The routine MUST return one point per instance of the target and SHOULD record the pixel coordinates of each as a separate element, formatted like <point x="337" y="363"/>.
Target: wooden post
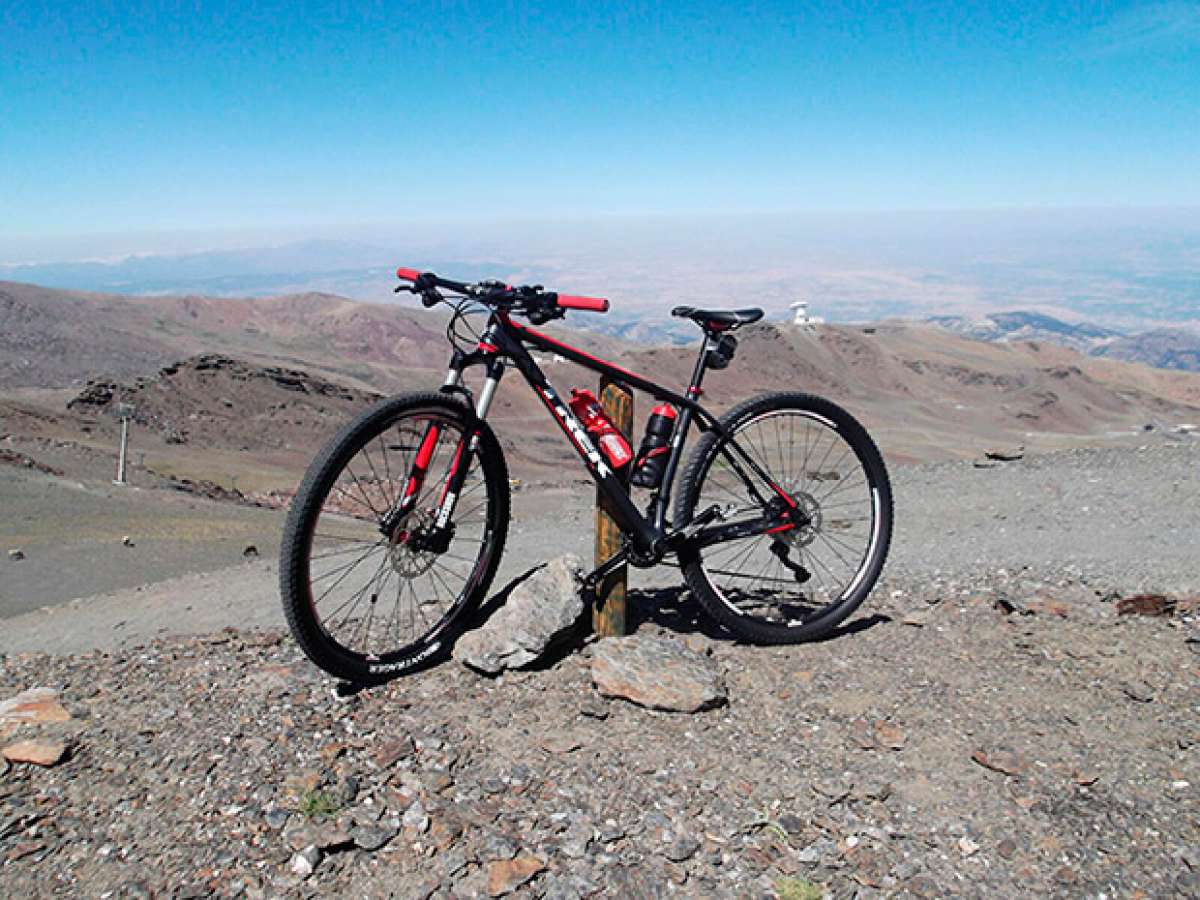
<point x="608" y="613"/>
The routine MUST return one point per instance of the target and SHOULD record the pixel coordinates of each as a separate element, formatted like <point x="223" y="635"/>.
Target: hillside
<point x="1162" y="348"/>
<point x="1019" y="325"/>
<point x="289" y="370"/>
<point x="53" y="338"/>
<point x="928" y="394"/>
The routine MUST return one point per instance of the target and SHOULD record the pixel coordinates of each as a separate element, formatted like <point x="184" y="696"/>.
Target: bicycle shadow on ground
<point x="675" y="609"/>
<point x="672" y="609"/>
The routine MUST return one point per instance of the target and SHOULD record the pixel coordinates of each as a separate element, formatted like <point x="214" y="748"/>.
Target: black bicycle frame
<point x="505" y="339"/>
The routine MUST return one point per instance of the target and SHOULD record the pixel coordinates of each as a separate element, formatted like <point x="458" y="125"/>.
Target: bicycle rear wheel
<point x="369" y="594"/>
<point x="796" y="585"/>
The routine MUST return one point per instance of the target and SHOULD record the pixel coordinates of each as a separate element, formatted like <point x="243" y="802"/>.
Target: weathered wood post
<point x="608" y="612"/>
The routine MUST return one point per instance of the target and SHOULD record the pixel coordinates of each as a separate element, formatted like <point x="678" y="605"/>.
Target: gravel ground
<point x="1126" y="519"/>
<point x="1116" y="519"/>
<point x="938" y="747"/>
<point x="989" y="725"/>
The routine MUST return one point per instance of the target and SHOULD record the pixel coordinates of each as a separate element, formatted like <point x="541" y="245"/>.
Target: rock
<point x="371" y="837"/>
<point x="682" y="848"/>
<point x="593" y="707"/>
<point x="1002" y="761"/>
<point x="889" y="736"/>
<point x="919" y="618"/>
<point x="127" y="541"/>
<point x="415" y="818"/>
<point x="306" y="861"/>
<point x="251" y="552"/>
<point x="560" y="743"/>
<point x="1001" y="455"/>
<point x="1138" y="691"/>
<point x="967" y="847"/>
<point x="16" y="554"/>
<point x="509" y="874"/>
<point x="539" y="609"/>
<point x="453" y="861"/>
<point x="391" y="752"/>
<point x="576" y="840"/>
<point x="656" y="672"/>
<point x="33" y="705"/>
<point x="323" y="837"/>
<point x="497" y="846"/>
<point x="1146" y="605"/>
<point x="1048" y="606"/>
<point x="39" y="753"/>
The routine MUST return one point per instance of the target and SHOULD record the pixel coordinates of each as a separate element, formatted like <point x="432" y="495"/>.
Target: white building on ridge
<point x="801" y="318"/>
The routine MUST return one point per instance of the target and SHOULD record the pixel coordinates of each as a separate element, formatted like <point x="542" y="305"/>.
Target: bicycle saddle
<point x="718" y="319"/>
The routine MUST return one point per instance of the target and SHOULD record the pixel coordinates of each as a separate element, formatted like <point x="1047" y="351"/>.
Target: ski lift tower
<point x="124" y="412"/>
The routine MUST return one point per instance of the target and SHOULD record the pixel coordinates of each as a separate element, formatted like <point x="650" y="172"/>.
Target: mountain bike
<point x="781" y="524"/>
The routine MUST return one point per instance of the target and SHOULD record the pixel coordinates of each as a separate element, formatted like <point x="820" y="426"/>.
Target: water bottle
<point x="652" y="455"/>
<point x="601" y="429"/>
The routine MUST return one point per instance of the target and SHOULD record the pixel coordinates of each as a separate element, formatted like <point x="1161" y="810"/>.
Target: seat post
<point x="701" y="365"/>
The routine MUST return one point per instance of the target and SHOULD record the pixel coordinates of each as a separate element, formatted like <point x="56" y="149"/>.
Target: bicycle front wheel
<point x="796" y="585"/>
<point x="373" y="585"/>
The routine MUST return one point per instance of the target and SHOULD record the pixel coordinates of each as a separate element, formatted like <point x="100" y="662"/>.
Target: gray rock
<point x="371" y="837"/>
<point x="682" y="848"/>
<point x="306" y="861"/>
<point x="576" y="840"/>
<point x="16" y="554"/>
<point x="497" y="846"/>
<point x="453" y="861"/>
<point x="538" y="610"/>
<point x="656" y="672"/>
<point x="415" y="818"/>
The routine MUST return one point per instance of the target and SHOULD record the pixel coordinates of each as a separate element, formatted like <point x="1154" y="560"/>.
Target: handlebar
<point x="530" y="299"/>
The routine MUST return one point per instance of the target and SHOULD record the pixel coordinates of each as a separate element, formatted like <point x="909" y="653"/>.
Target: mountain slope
<point x="1163" y="348"/>
<point x="53" y="338"/>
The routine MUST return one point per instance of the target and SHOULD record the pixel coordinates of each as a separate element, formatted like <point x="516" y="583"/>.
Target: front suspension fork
<point x="464" y="453"/>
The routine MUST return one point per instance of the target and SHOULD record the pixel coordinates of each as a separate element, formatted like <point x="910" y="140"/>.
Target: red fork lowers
<point x="421" y="463"/>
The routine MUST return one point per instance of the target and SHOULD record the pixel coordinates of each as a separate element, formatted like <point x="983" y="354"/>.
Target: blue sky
<point x="124" y="116"/>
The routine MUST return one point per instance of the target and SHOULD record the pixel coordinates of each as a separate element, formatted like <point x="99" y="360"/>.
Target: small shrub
<point x="316" y="804"/>
<point x="798" y="889"/>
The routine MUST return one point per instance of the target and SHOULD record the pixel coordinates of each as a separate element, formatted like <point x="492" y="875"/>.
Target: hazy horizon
<point x="1122" y="268"/>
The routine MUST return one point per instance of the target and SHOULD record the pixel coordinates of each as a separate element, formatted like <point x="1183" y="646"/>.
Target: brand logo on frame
<point x="582" y="439"/>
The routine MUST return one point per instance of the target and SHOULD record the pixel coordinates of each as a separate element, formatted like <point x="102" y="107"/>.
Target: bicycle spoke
<point x="816" y="462"/>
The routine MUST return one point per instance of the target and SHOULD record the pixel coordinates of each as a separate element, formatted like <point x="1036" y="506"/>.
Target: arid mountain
<point x="929" y="394"/>
<point x="53" y="338"/>
<point x="289" y="370"/>
<point x="1163" y="348"/>
<point x="219" y="402"/>
<point x="1020" y="325"/>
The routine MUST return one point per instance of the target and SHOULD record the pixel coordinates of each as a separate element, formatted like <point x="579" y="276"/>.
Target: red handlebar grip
<point x="594" y="304"/>
<point x="408" y="274"/>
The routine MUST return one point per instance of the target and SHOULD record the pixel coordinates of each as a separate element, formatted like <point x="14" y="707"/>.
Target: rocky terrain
<point x="942" y="745"/>
<point x="1015" y="717"/>
<point x="1164" y="348"/>
<point x="1012" y="712"/>
<point x="227" y="403"/>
